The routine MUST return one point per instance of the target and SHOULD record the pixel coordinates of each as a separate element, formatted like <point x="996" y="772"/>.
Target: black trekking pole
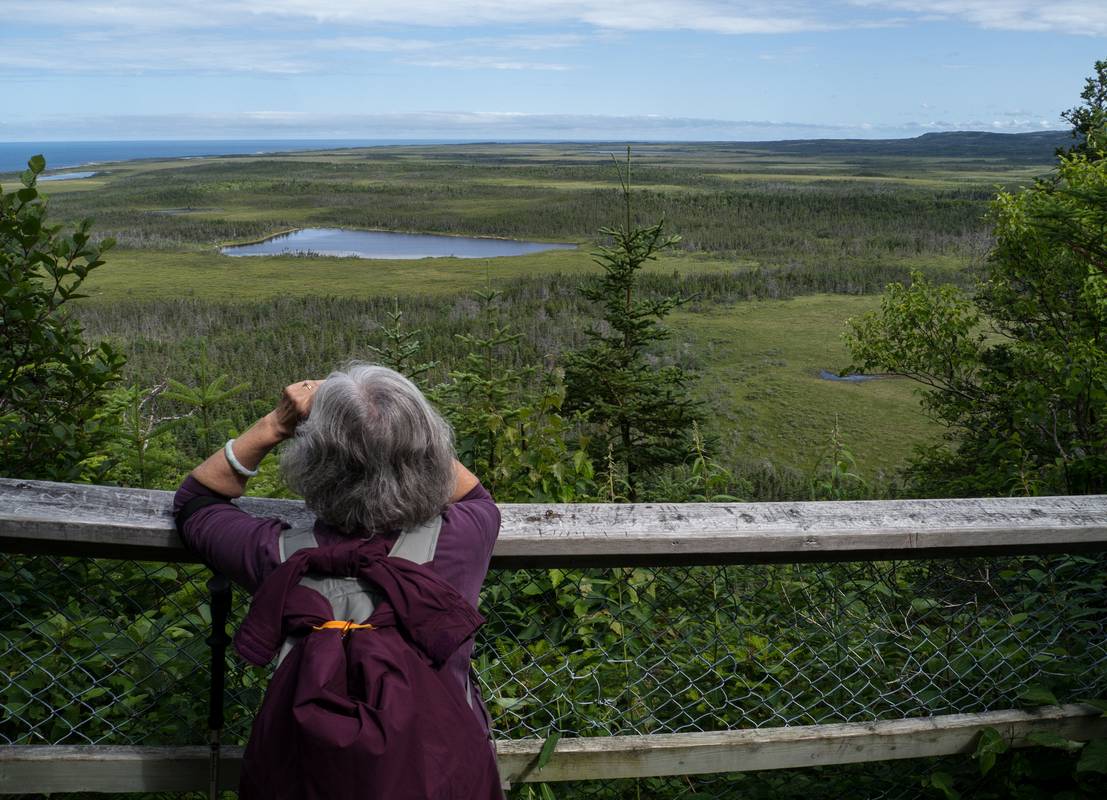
<point x="220" y="588"/>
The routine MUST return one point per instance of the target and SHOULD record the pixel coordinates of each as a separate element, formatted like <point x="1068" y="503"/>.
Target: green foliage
<point x="542" y="791"/>
<point x="1038" y="695"/>
<point x="640" y="412"/>
<point x="401" y="347"/>
<point x="141" y="450"/>
<point x="1071" y="209"/>
<point x="1054" y="768"/>
<point x="1093" y="757"/>
<point x="701" y="479"/>
<point x="710" y="481"/>
<point x="943" y="782"/>
<point x="1018" y="372"/>
<point x="1089" y="115"/>
<point x="134" y="629"/>
<point x="835" y="475"/>
<point x="508" y="421"/>
<point x="205" y="400"/>
<point x="989" y="746"/>
<point x="51" y="382"/>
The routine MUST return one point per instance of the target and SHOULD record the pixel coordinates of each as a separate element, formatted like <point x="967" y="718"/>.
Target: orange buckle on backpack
<point x="344" y="625"/>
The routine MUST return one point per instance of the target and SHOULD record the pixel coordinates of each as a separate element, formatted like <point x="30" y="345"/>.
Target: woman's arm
<point x="464" y="481"/>
<point x="252" y="446"/>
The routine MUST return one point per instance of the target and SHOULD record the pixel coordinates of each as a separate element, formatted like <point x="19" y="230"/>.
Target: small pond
<point x="384" y="244"/>
<point x="827" y="375"/>
<point x="66" y="176"/>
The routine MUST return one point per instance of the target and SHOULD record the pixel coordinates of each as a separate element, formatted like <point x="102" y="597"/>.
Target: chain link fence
<point x="95" y="651"/>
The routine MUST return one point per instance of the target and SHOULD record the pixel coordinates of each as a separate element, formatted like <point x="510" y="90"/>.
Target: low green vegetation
<point x="755" y="223"/>
<point x="768" y="401"/>
<point x="141" y="275"/>
<point x="732" y="206"/>
<point x="759" y="360"/>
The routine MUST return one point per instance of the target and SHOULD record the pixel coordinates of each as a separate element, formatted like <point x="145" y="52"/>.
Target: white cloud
<point x="191" y="53"/>
<point x="712" y="16"/>
<point x="1080" y="17"/>
<point x="134" y="16"/>
<point x="550" y="41"/>
<point x="485" y="62"/>
<point x="294" y="36"/>
<point x="371" y="44"/>
<point x="720" y="16"/>
<point x="198" y="55"/>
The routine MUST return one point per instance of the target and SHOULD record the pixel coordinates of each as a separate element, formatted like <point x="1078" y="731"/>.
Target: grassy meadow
<point x="764" y="359"/>
<point x="780" y="246"/>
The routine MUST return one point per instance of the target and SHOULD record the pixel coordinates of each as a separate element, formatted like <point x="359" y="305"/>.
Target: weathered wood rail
<point x="106" y="522"/>
<point x="62" y="519"/>
<point x="177" y="769"/>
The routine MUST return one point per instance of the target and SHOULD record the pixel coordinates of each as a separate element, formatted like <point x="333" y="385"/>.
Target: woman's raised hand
<point x="295" y="405"/>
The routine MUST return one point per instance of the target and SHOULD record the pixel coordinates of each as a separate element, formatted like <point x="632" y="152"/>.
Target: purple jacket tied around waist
<point x="369" y="713"/>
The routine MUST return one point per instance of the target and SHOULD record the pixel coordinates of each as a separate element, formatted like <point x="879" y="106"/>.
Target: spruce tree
<point x="641" y="413"/>
<point x="401" y="347"/>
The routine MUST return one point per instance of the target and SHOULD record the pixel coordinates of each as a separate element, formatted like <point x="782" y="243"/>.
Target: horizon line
<point x="531" y="140"/>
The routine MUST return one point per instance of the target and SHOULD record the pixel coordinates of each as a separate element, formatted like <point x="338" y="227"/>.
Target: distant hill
<point x="1031" y="147"/>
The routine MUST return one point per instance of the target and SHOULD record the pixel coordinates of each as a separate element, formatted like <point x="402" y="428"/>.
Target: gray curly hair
<point x="373" y="455"/>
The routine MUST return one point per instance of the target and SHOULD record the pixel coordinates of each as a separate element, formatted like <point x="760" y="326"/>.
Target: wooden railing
<point x="104" y="522"/>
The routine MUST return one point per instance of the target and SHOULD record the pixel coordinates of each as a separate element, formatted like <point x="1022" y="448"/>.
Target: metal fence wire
<point x="96" y="651"/>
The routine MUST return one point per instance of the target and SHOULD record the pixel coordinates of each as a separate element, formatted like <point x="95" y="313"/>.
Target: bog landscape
<point x="688" y="327"/>
<point x="780" y="245"/>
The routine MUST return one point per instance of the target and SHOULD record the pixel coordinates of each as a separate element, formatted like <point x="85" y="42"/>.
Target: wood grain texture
<point x="45" y="769"/>
<point x="788" y="748"/>
<point x="70" y="519"/>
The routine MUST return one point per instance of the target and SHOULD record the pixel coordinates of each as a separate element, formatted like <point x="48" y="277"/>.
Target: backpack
<point x="362" y="709"/>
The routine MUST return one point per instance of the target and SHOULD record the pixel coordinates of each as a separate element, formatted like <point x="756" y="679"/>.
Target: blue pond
<point x="827" y="375"/>
<point x="382" y="244"/>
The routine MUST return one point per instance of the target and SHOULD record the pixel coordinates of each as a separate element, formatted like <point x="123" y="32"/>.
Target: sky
<point x="540" y="69"/>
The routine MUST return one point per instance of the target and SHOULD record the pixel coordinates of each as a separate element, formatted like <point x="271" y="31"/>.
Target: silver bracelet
<point x="236" y="465"/>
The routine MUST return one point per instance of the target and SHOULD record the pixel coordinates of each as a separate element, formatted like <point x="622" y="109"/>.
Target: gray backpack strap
<point x="353" y="598"/>
<point x="418" y="544"/>
<point x="295" y="539"/>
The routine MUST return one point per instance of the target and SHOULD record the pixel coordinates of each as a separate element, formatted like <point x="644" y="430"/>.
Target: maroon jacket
<point x="244" y="547"/>
<point x="369" y="714"/>
<point x="389" y="697"/>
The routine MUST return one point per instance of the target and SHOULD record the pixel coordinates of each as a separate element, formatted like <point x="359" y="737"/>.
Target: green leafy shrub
<point x="52" y="383"/>
<point x="1018" y="371"/>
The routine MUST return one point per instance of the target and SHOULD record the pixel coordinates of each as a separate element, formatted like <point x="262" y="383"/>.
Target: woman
<point x="380" y="706"/>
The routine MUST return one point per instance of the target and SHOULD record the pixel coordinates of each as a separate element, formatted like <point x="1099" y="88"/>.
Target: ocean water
<point x="59" y="155"/>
